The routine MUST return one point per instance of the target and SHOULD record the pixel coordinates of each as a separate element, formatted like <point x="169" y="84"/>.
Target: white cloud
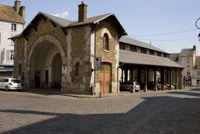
<point x="62" y="15"/>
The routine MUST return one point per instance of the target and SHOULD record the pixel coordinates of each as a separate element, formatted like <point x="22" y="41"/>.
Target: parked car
<point x="159" y="86"/>
<point x="10" y="84"/>
<point x="169" y="86"/>
<point x="128" y="85"/>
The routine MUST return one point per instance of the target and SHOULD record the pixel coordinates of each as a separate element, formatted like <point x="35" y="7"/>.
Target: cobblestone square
<point x="175" y="111"/>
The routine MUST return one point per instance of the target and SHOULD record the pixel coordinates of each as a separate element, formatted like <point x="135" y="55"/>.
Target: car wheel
<point x="6" y="88"/>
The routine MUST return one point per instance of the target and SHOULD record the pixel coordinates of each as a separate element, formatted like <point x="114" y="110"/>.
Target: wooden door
<point x="104" y="78"/>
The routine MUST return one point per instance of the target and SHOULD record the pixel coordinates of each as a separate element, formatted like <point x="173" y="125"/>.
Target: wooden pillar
<point x="181" y="79"/>
<point x="133" y="77"/>
<point x="155" y="79"/>
<point x="163" y="78"/>
<point x="170" y="80"/>
<point x="176" y="79"/>
<point x="145" y="79"/>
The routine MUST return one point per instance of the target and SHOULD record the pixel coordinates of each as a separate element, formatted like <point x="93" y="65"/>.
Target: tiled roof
<point x="127" y="57"/>
<point x="173" y="56"/>
<point x="187" y="52"/>
<point x="140" y="44"/>
<point x="8" y="13"/>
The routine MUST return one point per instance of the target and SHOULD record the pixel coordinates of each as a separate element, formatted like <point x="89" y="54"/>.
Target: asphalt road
<point x="149" y="112"/>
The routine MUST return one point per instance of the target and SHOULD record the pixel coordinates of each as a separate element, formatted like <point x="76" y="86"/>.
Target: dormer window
<point x="143" y="50"/>
<point x="151" y="52"/>
<point x="122" y="46"/>
<point x="105" y="42"/>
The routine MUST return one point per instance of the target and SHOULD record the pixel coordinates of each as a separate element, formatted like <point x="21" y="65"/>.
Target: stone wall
<point x="111" y="55"/>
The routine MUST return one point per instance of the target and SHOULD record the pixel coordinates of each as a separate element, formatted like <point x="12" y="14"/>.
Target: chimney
<point x="82" y="15"/>
<point x="22" y="11"/>
<point x="17" y="6"/>
<point x="194" y="47"/>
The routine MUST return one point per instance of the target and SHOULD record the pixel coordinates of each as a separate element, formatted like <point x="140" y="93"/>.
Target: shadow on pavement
<point x="185" y="93"/>
<point x="43" y="91"/>
<point x="118" y="123"/>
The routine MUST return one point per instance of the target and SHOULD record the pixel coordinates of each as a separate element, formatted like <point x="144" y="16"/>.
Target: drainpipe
<point x="95" y="34"/>
<point x="118" y="77"/>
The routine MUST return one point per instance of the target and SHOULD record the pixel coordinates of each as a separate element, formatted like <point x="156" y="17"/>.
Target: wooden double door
<point x="105" y="78"/>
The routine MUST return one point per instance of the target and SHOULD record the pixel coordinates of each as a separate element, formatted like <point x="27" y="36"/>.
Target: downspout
<point x="118" y="77"/>
<point x="94" y="59"/>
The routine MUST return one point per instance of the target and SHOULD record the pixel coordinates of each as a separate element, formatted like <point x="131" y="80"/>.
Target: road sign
<point x="189" y="77"/>
<point x="97" y="62"/>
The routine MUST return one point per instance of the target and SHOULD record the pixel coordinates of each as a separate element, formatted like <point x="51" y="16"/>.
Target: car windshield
<point x="136" y="83"/>
<point x="15" y="81"/>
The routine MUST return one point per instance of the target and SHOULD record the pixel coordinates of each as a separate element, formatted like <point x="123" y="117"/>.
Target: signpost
<point x="97" y="62"/>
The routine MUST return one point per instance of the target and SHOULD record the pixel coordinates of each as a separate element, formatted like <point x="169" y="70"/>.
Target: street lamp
<point x="197" y="28"/>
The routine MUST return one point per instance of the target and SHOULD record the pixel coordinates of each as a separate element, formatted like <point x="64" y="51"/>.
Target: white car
<point x="10" y="84"/>
<point x="128" y="85"/>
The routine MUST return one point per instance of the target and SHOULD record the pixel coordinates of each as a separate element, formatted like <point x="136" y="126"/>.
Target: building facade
<point x="190" y="60"/>
<point x="58" y="53"/>
<point x="79" y="57"/>
<point x="12" y="22"/>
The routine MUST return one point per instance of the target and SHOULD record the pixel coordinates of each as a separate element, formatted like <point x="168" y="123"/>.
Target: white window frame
<point x="9" y="55"/>
<point x="14" y="27"/>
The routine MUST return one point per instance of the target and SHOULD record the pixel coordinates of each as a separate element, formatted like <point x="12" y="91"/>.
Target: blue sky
<point x="138" y="17"/>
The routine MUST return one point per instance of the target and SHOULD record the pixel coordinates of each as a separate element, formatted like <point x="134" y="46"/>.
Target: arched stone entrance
<point x="45" y="62"/>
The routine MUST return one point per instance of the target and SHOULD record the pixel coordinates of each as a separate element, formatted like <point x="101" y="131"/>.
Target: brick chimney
<point x="82" y="15"/>
<point x="17" y="6"/>
<point x="194" y="47"/>
<point x="19" y="9"/>
<point x="22" y="11"/>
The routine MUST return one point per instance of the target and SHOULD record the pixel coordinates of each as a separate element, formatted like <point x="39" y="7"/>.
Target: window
<point x="188" y="63"/>
<point x="14" y="27"/>
<point x="133" y="48"/>
<point x="77" y="69"/>
<point x="143" y="50"/>
<point x="188" y="72"/>
<point x="188" y="58"/>
<point x="151" y="52"/>
<point x="198" y="73"/>
<point x="122" y="46"/>
<point x="158" y="53"/>
<point x="11" y="42"/>
<point x="165" y="55"/>
<point x="9" y="55"/>
<point x="105" y="42"/>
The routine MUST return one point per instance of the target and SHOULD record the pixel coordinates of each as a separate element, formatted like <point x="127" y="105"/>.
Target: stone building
<point x="57" y="53"/>
<point x="191" y="61"/>
<point x="12" y="22"/>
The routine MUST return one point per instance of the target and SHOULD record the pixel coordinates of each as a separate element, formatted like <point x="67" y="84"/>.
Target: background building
<point x="12" y="22"/>
<point x="189" y="59"/>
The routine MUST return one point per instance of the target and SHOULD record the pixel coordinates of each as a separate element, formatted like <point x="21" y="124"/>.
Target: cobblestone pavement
<point x="143" y="113"/>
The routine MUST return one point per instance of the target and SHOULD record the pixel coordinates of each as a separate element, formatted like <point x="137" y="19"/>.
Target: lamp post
<point x="197" y="27"/>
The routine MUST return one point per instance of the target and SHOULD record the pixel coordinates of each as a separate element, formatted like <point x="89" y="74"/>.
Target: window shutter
<point x="7" y="55"/>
